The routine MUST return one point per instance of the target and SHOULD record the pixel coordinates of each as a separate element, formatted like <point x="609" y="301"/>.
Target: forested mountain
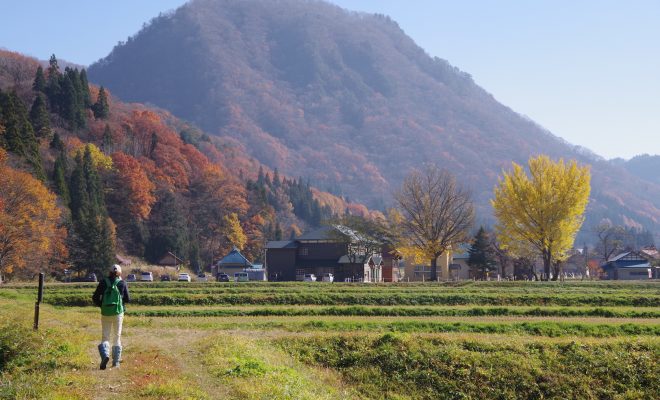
<point x="83" y="175"/>
<point x="644" y="166"/>
<point x="345" y="98"/>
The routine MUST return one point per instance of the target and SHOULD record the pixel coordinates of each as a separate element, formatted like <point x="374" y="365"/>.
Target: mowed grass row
<point x="394" y="311"/>
<point x="488" y="325"/>
<point x="182" y="298"/>
<point x="593" y="294"/>
<point x="469" y="287"/>
<point x="409" y="367"/>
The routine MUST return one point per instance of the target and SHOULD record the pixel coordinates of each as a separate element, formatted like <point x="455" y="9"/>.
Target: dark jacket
<point x="97" y="297"/>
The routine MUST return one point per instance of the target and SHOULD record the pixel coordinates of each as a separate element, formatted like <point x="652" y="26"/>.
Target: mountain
<point x="644" y="166"/>
<point x="164" y="184"/>
<point x="345" y="98"/>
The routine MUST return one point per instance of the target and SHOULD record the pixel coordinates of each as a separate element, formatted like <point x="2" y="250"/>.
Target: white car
<point x="328" y="278"/>
<point x="183" y="277"/>
<point x="146" y="277"/>
<point x="202" y="278"/>
<point x="309" y="278"/>
<point x="241" y="277"/>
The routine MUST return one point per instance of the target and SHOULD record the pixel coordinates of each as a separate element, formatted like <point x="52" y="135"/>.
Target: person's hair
<point x="114" y="274"/>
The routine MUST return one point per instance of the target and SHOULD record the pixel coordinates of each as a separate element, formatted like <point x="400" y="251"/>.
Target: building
<point x="422" y="272"/>
<point x="232" y="263"/>
<point x="322" y="251"/>
<point x="393" y="270"/>
<point x="170" y="260"/>
<point x="630" y="265"/>
<point x="459" y="269"/>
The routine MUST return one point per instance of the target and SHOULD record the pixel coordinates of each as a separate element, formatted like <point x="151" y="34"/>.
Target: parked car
<point x="147" y="277"/>
<point x="183" y="277"/>
<point x="202" y="278"/>
<point x="241" y="277"/>
<point x="309" y="278"/>
<point x="222" y="277"/>
<point x="87" y="278"/>
<point x="131" y="278"/>
<point x="328" y="278"/>
<point x="165" y="278"/>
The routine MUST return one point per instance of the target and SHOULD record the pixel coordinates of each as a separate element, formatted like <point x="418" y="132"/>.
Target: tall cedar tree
<point x="481" y="255"/>
<point x="18" y="136"/>
<point x="53" y="89"/>
<point x="101" y="108"/>
<point x="84" y="83"/>
<point x="107" y="141"/>
<point x="70" y="106"/>
<point x="93" y="244"/>
<point x="168" y="228"/>
<point x="59" y="178"/>
<point x="40" y="117"/>
<point x="39" y="84"/>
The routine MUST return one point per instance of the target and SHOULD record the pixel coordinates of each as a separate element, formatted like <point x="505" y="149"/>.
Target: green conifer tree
<point x="481" y="256"/>
<point x="57" y="143"/>
<point x="68" y="105"/>
<point x="53" y="84"/>
<point x="93" y="247"/>
<point x="107" y="141"/>
<point x="40" y="117"/>
<point x="101" y="108"/>
<point x="84" y="83"/>
<point x="18" y="136"/>
<point x="39" y="84"/>
<point x="59" y="178"/>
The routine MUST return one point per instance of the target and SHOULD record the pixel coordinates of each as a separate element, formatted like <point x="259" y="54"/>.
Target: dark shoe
<point x="104" y="350"/>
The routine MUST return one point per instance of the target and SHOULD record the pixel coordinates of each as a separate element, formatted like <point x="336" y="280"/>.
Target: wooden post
<point x="40" y="297"/>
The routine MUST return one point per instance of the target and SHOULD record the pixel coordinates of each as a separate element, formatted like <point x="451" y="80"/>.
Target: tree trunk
<point x="434" y="269"/>
<point x="555" y="271"/>
<point x="547" y="260"/>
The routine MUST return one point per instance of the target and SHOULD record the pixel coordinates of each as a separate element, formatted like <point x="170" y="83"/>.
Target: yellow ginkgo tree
<point x="542" y="211"/>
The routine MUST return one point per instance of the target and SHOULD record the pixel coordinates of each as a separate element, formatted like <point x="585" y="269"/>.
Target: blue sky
<point x="587" y="70"/>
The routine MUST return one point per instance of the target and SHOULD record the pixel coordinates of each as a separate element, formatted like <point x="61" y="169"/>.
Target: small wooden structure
<point x="170" y="260"/>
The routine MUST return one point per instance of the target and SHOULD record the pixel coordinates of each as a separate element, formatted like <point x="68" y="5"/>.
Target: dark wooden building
<point x="631" y="265"/>
<point x="319" y="252"/>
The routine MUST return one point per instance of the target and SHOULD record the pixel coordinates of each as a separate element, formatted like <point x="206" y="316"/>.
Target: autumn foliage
<point x="31" y="237"/>
<point x="135" y="180"/>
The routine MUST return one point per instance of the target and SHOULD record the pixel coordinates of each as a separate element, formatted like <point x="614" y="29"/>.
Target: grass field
<point x="469" y="340"/>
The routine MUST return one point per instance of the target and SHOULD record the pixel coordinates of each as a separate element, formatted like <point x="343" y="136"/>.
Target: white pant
<point x="111" y="326"/>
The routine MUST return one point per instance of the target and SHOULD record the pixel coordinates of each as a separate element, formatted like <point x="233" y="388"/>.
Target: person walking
<point x="111" y="295"/>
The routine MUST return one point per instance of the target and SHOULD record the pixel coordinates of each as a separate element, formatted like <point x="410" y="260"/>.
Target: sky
<point x="587" y="70"/>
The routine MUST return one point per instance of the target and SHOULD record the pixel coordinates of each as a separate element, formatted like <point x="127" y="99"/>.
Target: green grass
<point x="393" y="366"/>
<point x="504" y="340"/>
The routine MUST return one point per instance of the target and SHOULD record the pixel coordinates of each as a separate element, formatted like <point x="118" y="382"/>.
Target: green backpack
<point x="112" y="303"/>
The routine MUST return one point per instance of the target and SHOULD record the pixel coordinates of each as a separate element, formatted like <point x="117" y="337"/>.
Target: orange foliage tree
<point x="31" y="239"/>
<point x="133" y="189"/>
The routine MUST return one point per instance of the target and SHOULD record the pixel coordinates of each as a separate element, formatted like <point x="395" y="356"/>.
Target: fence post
<point x="40" y="297"/>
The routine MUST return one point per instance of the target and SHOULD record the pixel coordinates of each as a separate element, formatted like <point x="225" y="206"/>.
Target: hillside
<point x="130" y="177"/>
<point x="644" y="166"/>
<point x="345" y="98"/>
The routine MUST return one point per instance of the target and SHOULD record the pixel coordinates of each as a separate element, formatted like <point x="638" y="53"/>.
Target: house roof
<point x="281" y="244"/>
<point x="170" y="254"/>
<point x="619" y="256"/>
<point x="322" y="233"/>
<point x="641" y="256"/>
<point x="234" y="258"/>
<point x="642" y="265"/>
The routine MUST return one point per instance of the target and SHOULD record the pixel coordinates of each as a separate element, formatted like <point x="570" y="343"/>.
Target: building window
<point x="304" y="251"/>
